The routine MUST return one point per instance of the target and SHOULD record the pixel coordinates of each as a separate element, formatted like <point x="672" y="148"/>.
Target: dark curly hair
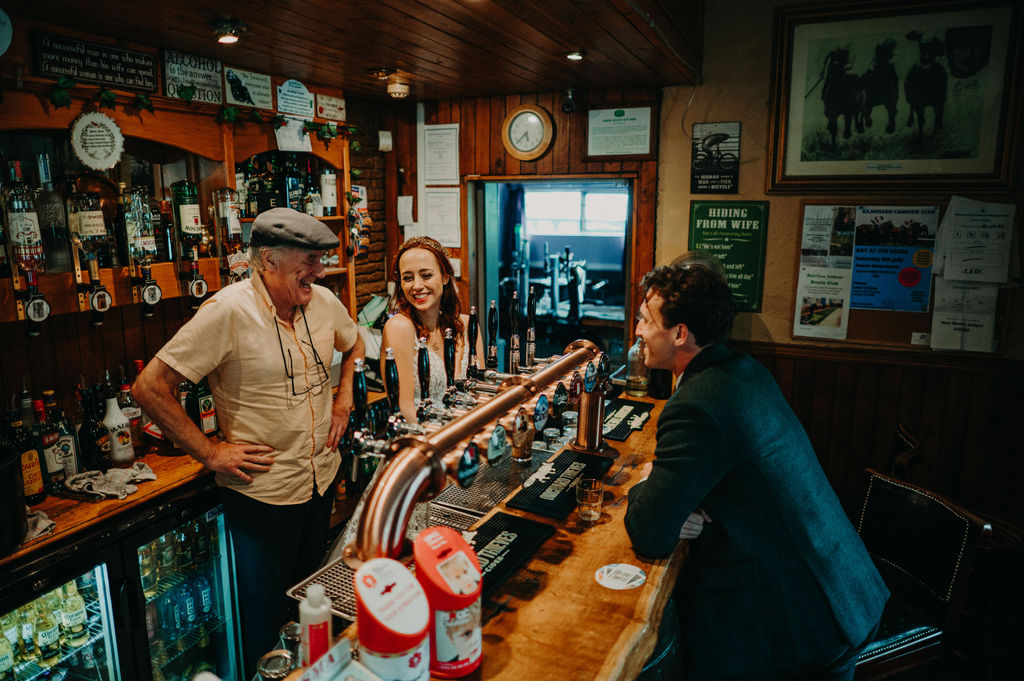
<point x="694" y="295"/>
<point x="450" y="312"/>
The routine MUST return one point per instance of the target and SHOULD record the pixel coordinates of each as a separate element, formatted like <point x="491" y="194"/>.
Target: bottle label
<point x="205" y="599"/>
<point x="54" y="457"/>
<point x="76" y="617"/>
<point x="207" y="415"/>
<point x="131" y="412"/>
<point x="329" y="190"/>
<point x="412" y="665"/>
<point x="188" y="214"/>
<point x="91" y="223"/>
<point x="6" y="661"/>
<point x="47" y="637"/>
<point x="30" y="472"/>
<point x="12" y="635"/>
<point x="24" y="229"/>
<point x="153" y="430"/>
<point x="69" y="453"/>
<point x="238" y="265"/>
<point x="121" y="450"/>
<point x="316" y="643"/>
<point x="147" y="244"/>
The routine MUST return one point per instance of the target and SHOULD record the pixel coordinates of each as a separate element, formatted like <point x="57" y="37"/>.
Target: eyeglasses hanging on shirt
<point x="323" y="376"/>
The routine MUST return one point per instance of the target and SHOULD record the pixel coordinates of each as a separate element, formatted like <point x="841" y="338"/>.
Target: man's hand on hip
<point x="234" y="459"/>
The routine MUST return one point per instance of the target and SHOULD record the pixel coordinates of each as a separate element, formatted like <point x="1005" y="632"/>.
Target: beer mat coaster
<point x="622" y="417"/>
<point x="338" y="581"/>
<point x="503" y="544"/>
<point x="551" y="490"/>
<point x="492" y="485"/>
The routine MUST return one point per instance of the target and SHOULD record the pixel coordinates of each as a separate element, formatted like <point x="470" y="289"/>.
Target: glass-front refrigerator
<point x="63" y="626"/>
<point x="186" y="580"/>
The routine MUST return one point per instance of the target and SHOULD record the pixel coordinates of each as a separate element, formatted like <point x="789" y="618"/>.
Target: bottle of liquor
<point x="53" y="220"/>
<point x="11" y="630"/>
<point x="93" y="435"/>
<point x="236" y="258"/>
<point x="122" y="453"/>
<point x="187" y="604"/>
<point x="44" y="437"/>
<point x="167" y="556"/>
<point x="74" y="613"/>
<point x="636" y="370"/>
<point x="270" y="195"/>
<point x="23" y="225"/>
<point x="167" y="250"/>
<point x="88" y="229"/>
<point x="186" y="214"/>
<point x="139" y="231"/>
<point x="293" y="189"/>
<point x="119" y="236"/>
<point x="46" y="632"/>
<point x="242" y="191"/>
<point x="28" y="414"/>
<point x="54" y="601"/>
<point x="32" y="466"/>
<point x="254" y="188"/>
<point x="67" y="437"/>
<point x="133" y="412"/>
<point x="6" y="660"/>
<point x="184" y="540"/>
<point x="207" y="409"/>
<point x="147" y="569"/>
<point x="204" y="596"/>
<point x="329" y="191"/>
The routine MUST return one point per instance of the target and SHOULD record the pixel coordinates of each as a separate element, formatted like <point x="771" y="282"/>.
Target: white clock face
<point x="526" y="131"/>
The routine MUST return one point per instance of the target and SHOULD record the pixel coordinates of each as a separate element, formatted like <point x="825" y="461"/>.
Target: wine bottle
<point x="53" y="220"/>
<point x="329" y="191"/>
<point x="189" y="225"/>
<point x="236" y="259"/>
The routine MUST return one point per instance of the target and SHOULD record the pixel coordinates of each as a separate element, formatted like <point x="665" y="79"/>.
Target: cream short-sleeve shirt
<point x="234" y="340"/>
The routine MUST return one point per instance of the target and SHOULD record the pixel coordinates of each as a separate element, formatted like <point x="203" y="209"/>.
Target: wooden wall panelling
<point x="545" y="162"/>
<point x="482" y="137"/>
<point x="932" y="402"/>
<point x="822" y="412"/>
<point x="496" y="150"/>
<point x="863" y="445"/>
<point x="978" y="442"/>
<point x="512" y="165"/>
<point x="841" y="432"/>
<point x="1003" y="457"/>
<point x="952" y="426"/>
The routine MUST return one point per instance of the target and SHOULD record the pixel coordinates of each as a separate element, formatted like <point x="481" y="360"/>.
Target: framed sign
<point x="625" y="132"/>
<point x="895" y="97"/>
<point x="735" y="232"/>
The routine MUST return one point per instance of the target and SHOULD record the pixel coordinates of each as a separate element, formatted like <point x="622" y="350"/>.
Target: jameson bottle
<point x="31" y="464"/>
<point x="53" y="220"/>
<point x="185" y="199"/>
<point x="45" y="437"/>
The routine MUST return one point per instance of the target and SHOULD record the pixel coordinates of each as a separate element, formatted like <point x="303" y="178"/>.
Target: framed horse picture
<point x="895" y="97"/>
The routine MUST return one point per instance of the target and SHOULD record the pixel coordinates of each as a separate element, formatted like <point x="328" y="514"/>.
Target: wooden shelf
<point x="334" y="271"/>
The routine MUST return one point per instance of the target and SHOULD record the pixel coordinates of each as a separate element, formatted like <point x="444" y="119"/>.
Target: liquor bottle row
<point x="180" y="554"/>
<point x="42" y="226"/>
<point x="53" y="631"/>
<point x="276" y="179"/>
<point x="107" y="429"/>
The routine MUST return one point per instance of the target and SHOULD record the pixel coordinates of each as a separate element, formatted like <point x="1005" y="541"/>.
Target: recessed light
<point x="228" y="30"/>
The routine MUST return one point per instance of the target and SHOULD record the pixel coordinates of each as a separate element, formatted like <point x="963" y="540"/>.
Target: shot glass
<point x="589" y="495"/>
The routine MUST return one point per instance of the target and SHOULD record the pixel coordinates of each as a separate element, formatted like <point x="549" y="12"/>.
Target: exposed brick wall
<point x="367" y="164"/>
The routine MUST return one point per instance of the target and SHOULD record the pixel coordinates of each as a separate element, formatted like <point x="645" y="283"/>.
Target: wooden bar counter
<point x="551" y="620"/>
<point x="79" y="519"/>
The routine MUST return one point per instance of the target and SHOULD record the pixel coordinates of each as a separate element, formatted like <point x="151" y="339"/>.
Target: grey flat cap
<point x="289" y="227"/>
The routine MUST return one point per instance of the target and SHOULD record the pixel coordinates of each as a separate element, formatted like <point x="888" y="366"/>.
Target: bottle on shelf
<point x="45" y="438"/>
<point x="133" y="412"/>
<point x="32" y="467"/>
<point x="67" y="437"/>
<point x="293" y="189"/>
<point x="166" y="247"/>
<point x="184" y="540"/>
<point x="75" y="615"/>
<point x="46" y="633"/>
<point x="27" y="619"/>
<point x="93" y="436"/>
<point x="11" y="630"/>
<point x="53" y="221"/>
<point x="329" y="191"/>
<point x="139" y="230"/>
<point x="236" y="257"/>
<point x="28" y="415"/>
<point x="187" y="605"/>
<point x="88" y="228"/>
<point x="242" y="191"/>
<point x="22" y="221"/>
<point x="167" y="556"/>
<point x="6" y="660"/>
<point x="204" y="596"/>
<point x="147" y="569"/>
<point x="187" y="220"/>
<point x="636" y="370"/>
<point x="122" y="452"/>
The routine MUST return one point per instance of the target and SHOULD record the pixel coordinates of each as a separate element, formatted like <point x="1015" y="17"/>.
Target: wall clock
<point x="527" y="132"/>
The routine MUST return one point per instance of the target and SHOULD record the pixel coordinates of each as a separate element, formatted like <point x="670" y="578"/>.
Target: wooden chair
<point x="905" y="453"/>
<point x="923" y="545"/>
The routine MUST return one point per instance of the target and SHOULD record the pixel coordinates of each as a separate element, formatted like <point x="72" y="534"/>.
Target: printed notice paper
<point x="964" y="316"/>
<point x="823" y="287"/>
<point x="892" y="257"/>
<point x="974" y="243"/>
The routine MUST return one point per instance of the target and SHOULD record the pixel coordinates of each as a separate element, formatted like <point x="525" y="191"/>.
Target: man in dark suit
<point x="779" y="584"/>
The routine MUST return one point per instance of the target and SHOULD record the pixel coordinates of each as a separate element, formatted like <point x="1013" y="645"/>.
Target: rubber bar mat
<point x="492" y="484"/>
<point x="551" y="490"/>
<point x="622" y="417"/>
<point x="503" y="544"/>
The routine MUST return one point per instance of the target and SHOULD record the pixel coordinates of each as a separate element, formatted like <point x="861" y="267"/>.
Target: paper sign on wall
<point x="183" y="70"/>
<point x="292" y="135"/>
<point x="331" y="108"/>
<point x="294" y="98"/>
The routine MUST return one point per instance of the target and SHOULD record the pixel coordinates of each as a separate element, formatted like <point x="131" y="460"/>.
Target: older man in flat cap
<point x="266" y="344"/>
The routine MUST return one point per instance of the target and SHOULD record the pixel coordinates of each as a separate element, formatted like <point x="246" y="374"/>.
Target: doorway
<point x="568" y="240"/>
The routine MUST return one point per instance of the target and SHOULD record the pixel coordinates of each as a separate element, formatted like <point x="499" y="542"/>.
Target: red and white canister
<point x="449" y="572"/>
<point x="393" y="617"/>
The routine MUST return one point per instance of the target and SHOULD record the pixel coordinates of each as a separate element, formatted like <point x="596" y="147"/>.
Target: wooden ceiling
<point x="440" y="48"/>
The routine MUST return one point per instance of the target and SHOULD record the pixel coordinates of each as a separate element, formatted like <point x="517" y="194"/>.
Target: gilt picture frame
<point x="891" y="97"/>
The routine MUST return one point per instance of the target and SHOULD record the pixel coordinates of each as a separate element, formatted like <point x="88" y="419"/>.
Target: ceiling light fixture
<point x="228" y="30"/>
<point x="576" y="55"/>
<point x="398" y="90"/>
<point x="382" y="73"/>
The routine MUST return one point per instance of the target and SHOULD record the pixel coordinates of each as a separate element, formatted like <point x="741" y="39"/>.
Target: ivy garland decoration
<point x="227" y="114"/>
<point x="60" y="95"/>
<point x="187" y="93"/>
<point x="142" y="102"/>
<point x="107" y="99"/>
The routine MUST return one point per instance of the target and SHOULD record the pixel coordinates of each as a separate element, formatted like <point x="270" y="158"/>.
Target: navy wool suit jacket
<point x="780" y="578"/>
